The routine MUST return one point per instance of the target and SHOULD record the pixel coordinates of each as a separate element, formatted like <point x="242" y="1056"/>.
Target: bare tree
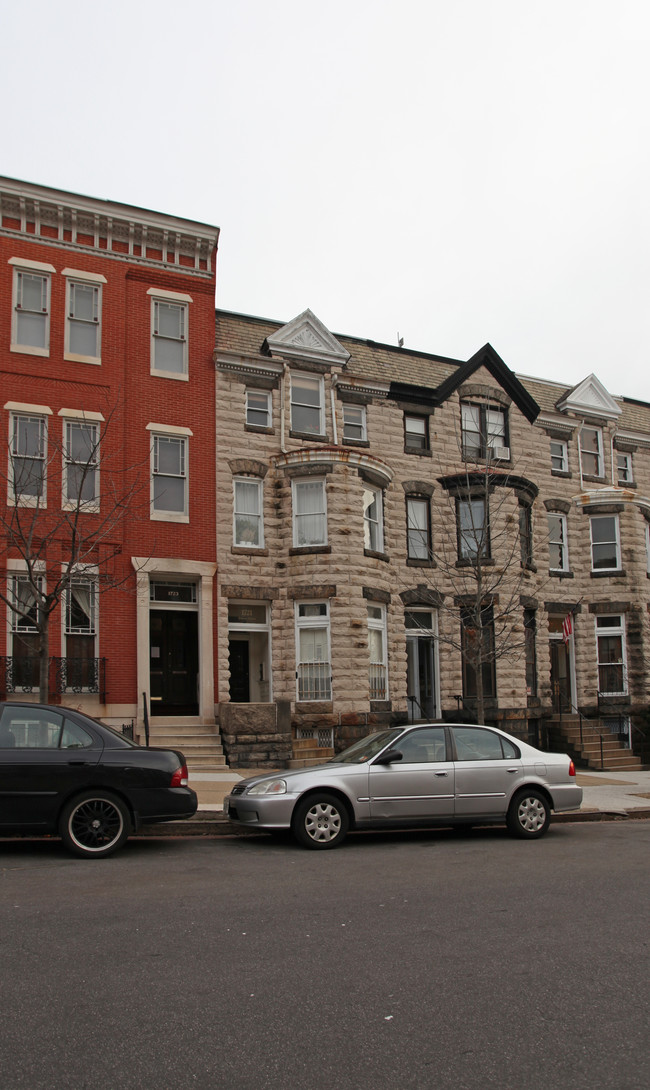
<point x="65" y="548"/>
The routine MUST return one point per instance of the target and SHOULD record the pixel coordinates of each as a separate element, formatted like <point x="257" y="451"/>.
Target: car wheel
<point x="320" y="821"/>
<point x="95" y="824"/>
<point x="529" y="814"/>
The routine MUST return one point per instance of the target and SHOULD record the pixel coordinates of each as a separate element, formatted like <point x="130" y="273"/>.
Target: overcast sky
<point x="455" y="172"/>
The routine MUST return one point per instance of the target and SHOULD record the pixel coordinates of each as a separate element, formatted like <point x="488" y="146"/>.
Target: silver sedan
<point x="451" y="774"/>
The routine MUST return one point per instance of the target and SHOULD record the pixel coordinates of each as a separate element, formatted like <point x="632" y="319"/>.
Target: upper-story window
<point x="484" y="432"/>
<point x="416" y="432"/>
<point x="624" y="467"/>
<point x="354" y="422"/>
<point x="418" y="528"/>
<point x="378" y="652"/>
<point x="605" y="543"/>
<point x="591" y="452"/>
<point x="28" y="459"/>
<point x="307" y="400"/>
<point x="83" y="341"/>
<point x="473" y="529"/>
<point x="258" y="408"/>
<point x="559" y="456"/>
<point x="373" y="519"/>
<point x="169" y="475"/>
<point x="526" y="534"/>
<point x="248" y="528"/>
<point x="558" y="547"/>
<point x="81" y="464"/>
<point x="309" y="513"/>
<point x="169" y="333"/>
<point x="31" y="312"/>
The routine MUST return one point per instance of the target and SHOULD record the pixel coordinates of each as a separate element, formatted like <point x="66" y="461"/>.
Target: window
<point x="169" y="476"/>
<point x="526" y="534"/>
<point x="591" y="452"/>
<point x="418" y="528"/>
<point x="605" y="546"/>
<point x="416" y="432"/>
<point x="81" y="464"/>
<point x="248" y="530"/>
<point x="28" y="454"/>
<point x="377" y="644"/>
<point x="476" y="744"/>
<point x="473" y="529"/>
<point x="373" y="519"/>
<point x="624" y="466"/>
<point x="307" y="404"/>
<point x="530" y="632"/>
<point x="31" y="316"/>
<point x="80" y="636"/>
<point x="169" y="338"/>
<point x="25" y="639"/>
<point x="477" y="644"/>
<point x="559" y="456"/>
<point x="612" y="672"/>
<point x="558" y="542"/>
<point x="312" y="644"/>
<point x="309" y="513"/>
<point x="30" y="728"/>
<point x="83" y="328"/>
<point x="423" y="746"/>
<point x="483" y="432"/>
<point x="258" y="408"/>
<point x="354" y="422"/>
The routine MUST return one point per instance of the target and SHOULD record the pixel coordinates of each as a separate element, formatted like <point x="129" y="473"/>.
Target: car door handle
<point x="77" y="762"/>
<point x="441" y="773"/>
<point x="512" y="770"/>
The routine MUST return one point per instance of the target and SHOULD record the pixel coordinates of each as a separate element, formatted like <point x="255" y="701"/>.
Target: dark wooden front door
<point x="174" y="660"/>
<point x="239" y="672"/>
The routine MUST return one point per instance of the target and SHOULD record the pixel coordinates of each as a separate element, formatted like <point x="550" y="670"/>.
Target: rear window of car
<point x="474" y="744"/>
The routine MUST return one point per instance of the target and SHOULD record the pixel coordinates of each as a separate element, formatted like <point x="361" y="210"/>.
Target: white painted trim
<point x="81" y="274"/>
<point x="169" y="429"/>
<point x="176" y="296"/>
<point x="80" y="414"/>
<point x="23" y="263"/>
<point x="24" y="407"/>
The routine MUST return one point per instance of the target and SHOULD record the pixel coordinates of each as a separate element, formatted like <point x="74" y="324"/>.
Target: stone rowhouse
<point x="359" y="487"/>
<point x="106" y="342"/>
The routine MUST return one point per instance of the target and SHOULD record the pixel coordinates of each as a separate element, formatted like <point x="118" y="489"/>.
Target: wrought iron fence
<point x="20" y="674"/>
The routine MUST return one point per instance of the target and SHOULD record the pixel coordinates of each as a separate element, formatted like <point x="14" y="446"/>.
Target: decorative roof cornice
<point x="118" y="231"/>
<point x="491" y="360"/>
<point x="598" y="497"/>
<point x="361" y="386"/>
<point x="245" y="365"/>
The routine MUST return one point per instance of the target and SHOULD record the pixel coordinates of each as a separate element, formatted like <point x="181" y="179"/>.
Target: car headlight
<point x="269" y="787"/>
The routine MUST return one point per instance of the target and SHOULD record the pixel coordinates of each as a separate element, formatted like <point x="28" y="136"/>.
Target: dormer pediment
<point x="306" y="338"/>
<point x="590" y="398"/>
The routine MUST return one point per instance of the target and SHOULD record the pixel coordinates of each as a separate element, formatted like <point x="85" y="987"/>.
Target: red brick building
<point x="107" y="394"/>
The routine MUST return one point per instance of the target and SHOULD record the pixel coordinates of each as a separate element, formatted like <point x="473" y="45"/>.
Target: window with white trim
<point x="307" y="400"/>
<point x="248" y="528"/>
<point x="612" y="666"/>
<point x="378" y="652"/>
<point x="605" y="543"/>
<point x="483" y="432"/>
<point x="309" y="512"/>
<point x="258" y="408"/>
<point x="80" y="634"/>
<point x="169" y="337"/>
<point x="590" y="442"/>
<point x="473" y="529"/>
<point x="558" y="547"/>
<point x="416" y="432"/>
<point x="169" y="477"/>
<point x="313" y="667"/>
<point x="624" y="467"/>
<point x="80" y="464"/>
<point x="373" y="519"/>
<point x="25" y="640"/>
<point x="83" y="321"/>
<point x="559" y="456"/>
<point x="28" y="453"/>
<point x="31" y="313"/>
<point x="418" y="528"/>
<point x="354" y="422"/>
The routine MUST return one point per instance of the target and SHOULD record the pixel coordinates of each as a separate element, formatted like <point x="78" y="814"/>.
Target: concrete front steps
<point x="611" y="756"/>
<point x="200" y="742"/>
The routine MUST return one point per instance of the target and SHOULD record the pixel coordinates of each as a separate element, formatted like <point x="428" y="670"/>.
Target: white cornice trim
<point x="326" y="454"/>
<point x="597" y="497"/>
<point x="224" y="361"/>
<point x="177" y="296"/>
<point x="169" y="429"/>
<point x="25" y="407"/>
<point x="81" y="274"/>
<point x="23" y="263"/>
<point x="80" y="414"/>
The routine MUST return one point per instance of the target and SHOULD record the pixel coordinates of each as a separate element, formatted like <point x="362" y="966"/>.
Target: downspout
<point x="333" y="405"/>
<point x="614" y="478"/>
<point x="285" y="369"/>
<point x="582" y="483"/>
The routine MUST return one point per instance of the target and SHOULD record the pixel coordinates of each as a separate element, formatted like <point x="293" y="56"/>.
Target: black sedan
<point x="63" y="773"/>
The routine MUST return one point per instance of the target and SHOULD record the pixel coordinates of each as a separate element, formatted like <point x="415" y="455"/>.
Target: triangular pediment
<point x="306" y="338"/>
<point x="590" y="398"/>
<point x="489" y="359"/>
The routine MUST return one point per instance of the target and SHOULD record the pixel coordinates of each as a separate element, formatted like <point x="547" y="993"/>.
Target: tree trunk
<point x="44" y="661"/>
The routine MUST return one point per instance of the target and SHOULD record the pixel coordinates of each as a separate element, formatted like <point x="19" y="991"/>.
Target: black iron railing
<point x="20" y="675"/>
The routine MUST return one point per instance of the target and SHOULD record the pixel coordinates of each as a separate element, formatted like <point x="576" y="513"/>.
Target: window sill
<point x="627" y="484"/>
<point x="29" y="350"/>
<point x="176" y="376"/>
<point x="417" y="562"/>
<point x="591" y="477"/>
<point x="607" y="573"/>
<point x="417" y="451"/>
<point x="301" y="550"/>
<point x="322" y="707"/>
<point x="249" y="550"/>
<point x="261" y="429"/>
<point x="376" y="555"/>
<point x="557" y="574"/>
<point x="168" y="516"/>
<point x="381" y="705"/>
<point x="312" y="438"/>
<point x="486" y="561"/>
<point x="355" y="443"/>
<point x="561" y="473"/>
<point x="96" y="361"/>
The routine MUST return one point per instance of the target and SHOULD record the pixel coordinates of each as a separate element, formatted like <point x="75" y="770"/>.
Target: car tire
<point x="320" y="821"/>
<point x="95" y="824"/>
<point x="529" y="814"/>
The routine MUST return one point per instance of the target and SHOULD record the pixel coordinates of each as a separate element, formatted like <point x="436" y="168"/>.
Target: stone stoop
<point x="200" y="742"/>
<point x="306" y="753"/>
<point x="615" y="757"/>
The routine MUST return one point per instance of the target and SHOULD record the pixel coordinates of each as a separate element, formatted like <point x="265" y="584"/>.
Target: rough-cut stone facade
<point x="343" y="578"/>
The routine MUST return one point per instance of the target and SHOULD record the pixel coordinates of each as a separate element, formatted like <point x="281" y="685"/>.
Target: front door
<point x="239" y="671"/>
<point x="174" y="662"/>
<point x="421" y="677"/>
<point x="560" y="676"/>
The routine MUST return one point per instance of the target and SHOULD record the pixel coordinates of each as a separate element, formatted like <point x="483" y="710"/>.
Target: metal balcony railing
<point x="20" y="675"/>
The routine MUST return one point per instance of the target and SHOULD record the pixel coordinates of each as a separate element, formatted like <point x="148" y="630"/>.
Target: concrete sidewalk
<point x="607" y="796"/>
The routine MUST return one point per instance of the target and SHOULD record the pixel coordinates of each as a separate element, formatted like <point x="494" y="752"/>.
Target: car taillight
<point x="572" y="768"/>
<point x="179" y="779"/>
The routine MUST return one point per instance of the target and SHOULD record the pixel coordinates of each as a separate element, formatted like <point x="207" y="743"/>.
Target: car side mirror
<point x="389" y="756"/>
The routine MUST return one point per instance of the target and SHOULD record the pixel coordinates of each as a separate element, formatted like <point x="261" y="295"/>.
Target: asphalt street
<point x="426" y="959"/>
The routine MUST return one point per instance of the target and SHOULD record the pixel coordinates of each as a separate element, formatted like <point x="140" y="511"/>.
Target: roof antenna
<point x="400" y="340"/>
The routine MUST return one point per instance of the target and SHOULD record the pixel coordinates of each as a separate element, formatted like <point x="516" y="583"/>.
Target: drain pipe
<point x="285" y="370"/>
<point x="333" y="406"/>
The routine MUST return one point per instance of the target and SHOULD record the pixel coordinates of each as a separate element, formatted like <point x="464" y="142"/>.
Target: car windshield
<point x="366" y="748"/>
